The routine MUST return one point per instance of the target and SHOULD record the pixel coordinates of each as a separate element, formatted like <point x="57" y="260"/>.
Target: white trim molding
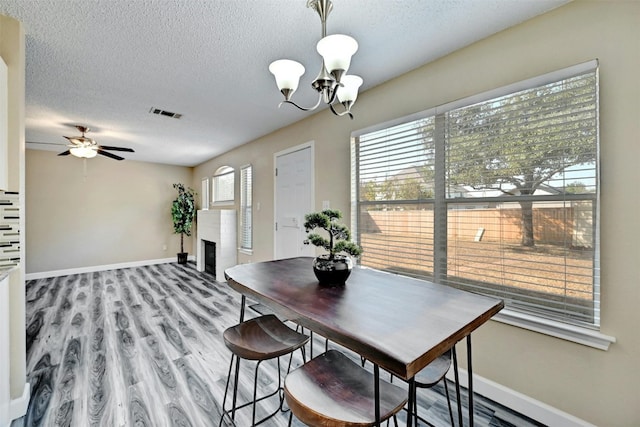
<point x="528" y="406"/>
<point x="91" y="269"/>
<point x="584" y="336"/>
<point x="18" y="406"/>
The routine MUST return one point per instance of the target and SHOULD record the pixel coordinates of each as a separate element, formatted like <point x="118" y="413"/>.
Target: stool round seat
<point x="260" y="339"/>
<point x="431" y="375"/>
<point x="434" y="372"/>
<point x="263" y="338"/>
<point x="332" y="390"/>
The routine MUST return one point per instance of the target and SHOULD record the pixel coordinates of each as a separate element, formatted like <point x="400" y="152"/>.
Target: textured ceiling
<point x="106" y="63"/>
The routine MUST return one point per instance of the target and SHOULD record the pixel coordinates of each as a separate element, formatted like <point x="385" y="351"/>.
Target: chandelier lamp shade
<point x="332" y="83"/>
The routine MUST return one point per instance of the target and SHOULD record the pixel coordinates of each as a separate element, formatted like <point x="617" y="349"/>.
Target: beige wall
<point x="119" y="212"/>
<point x="597" y="386"/>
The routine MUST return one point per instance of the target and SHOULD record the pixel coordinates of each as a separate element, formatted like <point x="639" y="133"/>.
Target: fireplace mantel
<point x="218" y="226"/>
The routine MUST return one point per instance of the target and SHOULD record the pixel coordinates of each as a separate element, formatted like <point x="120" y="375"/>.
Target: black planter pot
<point x="182" y="257"/>
<point x="332" y="272"/>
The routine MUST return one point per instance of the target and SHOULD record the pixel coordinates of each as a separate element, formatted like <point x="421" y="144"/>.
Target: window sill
<point x="223" y="203"/>
<point x="245" y="251"/>
<point x="572" y="333"/>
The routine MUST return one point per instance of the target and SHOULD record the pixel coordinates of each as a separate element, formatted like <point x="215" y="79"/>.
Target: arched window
<point x="223" y="184"/>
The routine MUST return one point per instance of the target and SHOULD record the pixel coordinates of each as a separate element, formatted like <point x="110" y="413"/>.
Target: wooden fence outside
<point x="571" y="226"/>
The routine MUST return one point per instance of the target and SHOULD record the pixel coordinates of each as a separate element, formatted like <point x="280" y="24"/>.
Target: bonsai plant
<point x="183" y="210"/>
<point x="334" y="267"/>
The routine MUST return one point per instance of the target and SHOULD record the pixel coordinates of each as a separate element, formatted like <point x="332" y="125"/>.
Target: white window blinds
<point x="246" y="215"/>
<point x="496" y="195"/>
<point x="205" y="193"/>
<point x="396" y="188"/>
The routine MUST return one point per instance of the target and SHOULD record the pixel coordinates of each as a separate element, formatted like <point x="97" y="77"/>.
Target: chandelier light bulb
<point x="348" y="92"/>
<point x="337" y="50"/>
<point x="287" y="74"/>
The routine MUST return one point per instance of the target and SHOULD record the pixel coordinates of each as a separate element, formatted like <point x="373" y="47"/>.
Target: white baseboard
<point x="532" y="408"/>
<point x="18" y="407"/>
<point x="79" y="270"/>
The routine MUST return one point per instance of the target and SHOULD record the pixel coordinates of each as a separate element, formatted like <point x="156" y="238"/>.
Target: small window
<point x="205" y="193"/>
<point x="246" y="214"/>
<point x="223" y="183"/>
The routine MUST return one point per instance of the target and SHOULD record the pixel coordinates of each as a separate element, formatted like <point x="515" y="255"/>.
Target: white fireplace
<point x="217" y="226"/>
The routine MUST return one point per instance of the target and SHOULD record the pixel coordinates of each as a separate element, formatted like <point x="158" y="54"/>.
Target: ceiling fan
<point x="85" y="147"/>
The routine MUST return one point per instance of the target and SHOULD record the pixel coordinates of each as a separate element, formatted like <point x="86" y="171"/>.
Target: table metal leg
<point x="376" y="388"/>
<point x="457" y="378"/>
<point x="470" y="374"/>
<point x="411" y="403"/>
<point x="311" y="343"/>
<point x="242" y="304"/>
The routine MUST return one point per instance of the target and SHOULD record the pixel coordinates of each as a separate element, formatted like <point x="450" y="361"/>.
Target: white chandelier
<point x="332" y="82"/>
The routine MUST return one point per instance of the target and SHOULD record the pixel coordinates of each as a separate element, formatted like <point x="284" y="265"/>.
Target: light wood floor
<point x="143" y="347"/>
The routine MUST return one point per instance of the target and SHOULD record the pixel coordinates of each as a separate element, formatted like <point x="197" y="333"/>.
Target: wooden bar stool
<point x="332" y="390"/>
<point x="429" y="376"/>
<point x="259" y="339"/>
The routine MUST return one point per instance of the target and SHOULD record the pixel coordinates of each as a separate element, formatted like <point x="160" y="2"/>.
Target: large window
<point x="497" y="194"/>
<point x="246" y="214"/>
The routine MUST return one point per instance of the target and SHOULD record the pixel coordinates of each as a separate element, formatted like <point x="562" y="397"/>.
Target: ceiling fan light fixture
<point x="87" y="148"/>
<point x="83" y="152"/>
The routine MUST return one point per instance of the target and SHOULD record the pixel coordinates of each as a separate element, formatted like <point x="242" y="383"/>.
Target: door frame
<point x="308" y="144"/>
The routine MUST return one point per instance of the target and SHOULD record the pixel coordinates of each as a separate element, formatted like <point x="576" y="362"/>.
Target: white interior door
<point x="294" y="195"/>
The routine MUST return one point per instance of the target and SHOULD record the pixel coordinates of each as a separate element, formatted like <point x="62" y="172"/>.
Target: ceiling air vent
<point x="165" y="113"/>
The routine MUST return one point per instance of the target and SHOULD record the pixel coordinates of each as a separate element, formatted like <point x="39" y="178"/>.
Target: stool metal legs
<point x="413" y="390"/>
<point x="279" y="390"/>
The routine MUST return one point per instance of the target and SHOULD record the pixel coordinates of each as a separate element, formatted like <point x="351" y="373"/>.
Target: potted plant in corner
<point x="183" y="210"/>
<point x="334" y="267"/>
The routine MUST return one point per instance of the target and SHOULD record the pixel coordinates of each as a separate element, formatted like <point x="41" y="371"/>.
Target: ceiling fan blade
<point x="65" y="153"/>
<point x="109" y="147"/>
<point x="107" y="154"/>
<point x="72" y="139"/>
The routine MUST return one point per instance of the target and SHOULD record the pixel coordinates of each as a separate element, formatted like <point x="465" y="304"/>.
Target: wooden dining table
<point x="399" y="323"/>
